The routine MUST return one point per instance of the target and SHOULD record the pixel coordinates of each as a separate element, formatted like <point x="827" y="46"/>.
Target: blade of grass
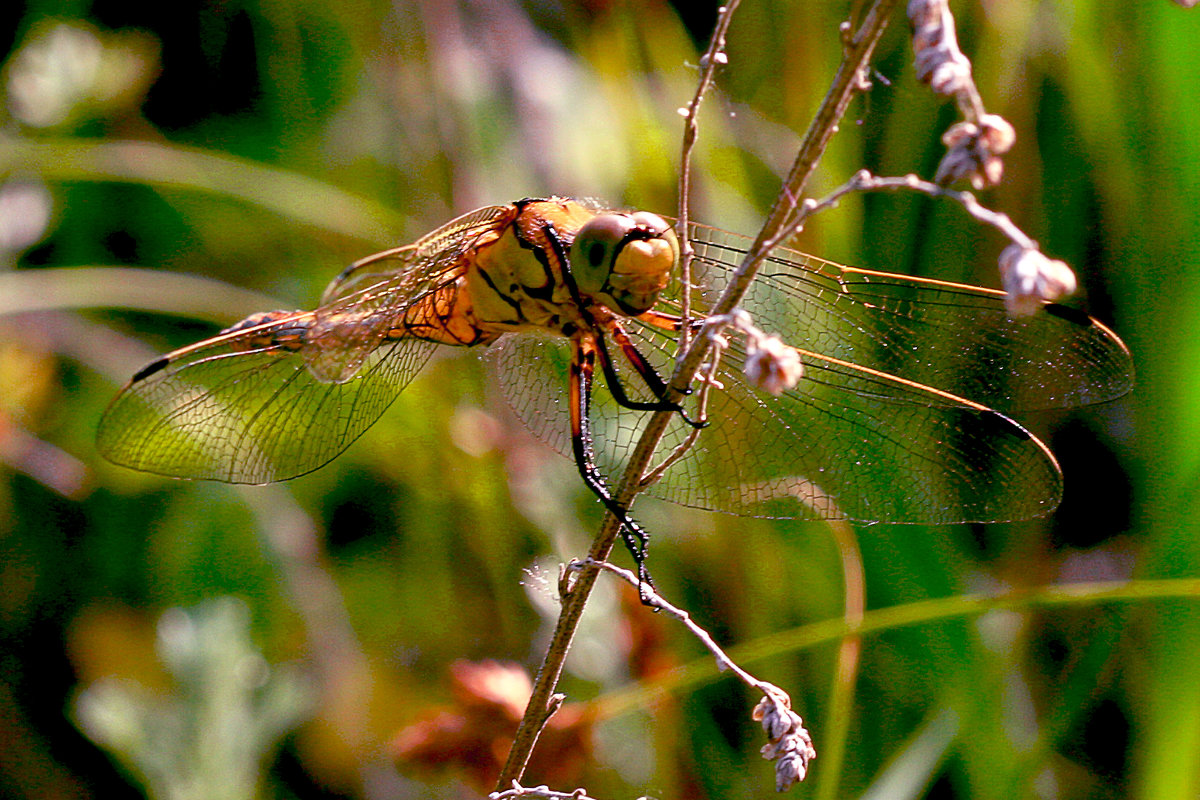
<point x="164" y="166"/>
<point x="62" y="288"/>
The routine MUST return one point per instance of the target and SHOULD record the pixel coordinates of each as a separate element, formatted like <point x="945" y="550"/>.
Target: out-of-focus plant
<point x="68" y="74"/>
<point x="208" y="738"/>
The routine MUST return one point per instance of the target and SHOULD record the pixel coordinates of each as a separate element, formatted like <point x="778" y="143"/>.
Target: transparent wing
<point x="892" y="421"/>
<point x="846" y="443"/>
<point x="405" y="272"/>
<point x="280" y="399"/>
<point x="364" y="305"/>
<point x="218" y="411"/>
<point x="950" y="336"/>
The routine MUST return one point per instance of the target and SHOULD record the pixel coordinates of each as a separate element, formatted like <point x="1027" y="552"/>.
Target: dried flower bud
<point x="774" y="717"/>
<point x="1030" y="278"/>
<point x="790" y="745"/>
<point x="790" y="769"/>
<point x="950" y="75"/>
<point x="974" y="151"/>
<point x="937" y="59"/>
<point x="772" y="365"/>
<point x="996" y="134"/>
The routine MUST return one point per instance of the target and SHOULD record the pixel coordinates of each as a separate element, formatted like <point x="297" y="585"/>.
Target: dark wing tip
<point x="150" y="369"/>
<point x="1115" y="353"/>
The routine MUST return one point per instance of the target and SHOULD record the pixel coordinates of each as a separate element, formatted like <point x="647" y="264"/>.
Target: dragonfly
<point x="903" y="413"/>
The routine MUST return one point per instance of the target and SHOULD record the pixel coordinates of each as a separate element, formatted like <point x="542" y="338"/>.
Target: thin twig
<point x="519" y="792"/>
<point x="846" y="83"/>
<point x="865" y="181"/>
<point x="654" y="599"/>
<point x="713" y="57"/>
<point x="790" y="745"/>
<point x="707" y="380"/>
<point x="1030" y="278"/>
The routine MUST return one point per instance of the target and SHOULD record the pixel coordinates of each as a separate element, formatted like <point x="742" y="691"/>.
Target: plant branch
<point x="847" y="81"/>
<point x="713" y="57"/>
<point x="937" y="610"/>
<point x="975" y="144"/>
<point x="1030" y="278"/>
<point x="790" y="745"/>
<point x="519" y="792"/>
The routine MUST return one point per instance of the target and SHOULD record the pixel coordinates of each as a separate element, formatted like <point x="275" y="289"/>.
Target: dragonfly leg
<point x="667" y="322"/>
<point x="633" y="534"/>
<point x="643" y="368"/>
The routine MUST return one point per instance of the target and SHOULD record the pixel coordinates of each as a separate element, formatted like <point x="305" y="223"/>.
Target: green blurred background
<point x="242" y="152"/>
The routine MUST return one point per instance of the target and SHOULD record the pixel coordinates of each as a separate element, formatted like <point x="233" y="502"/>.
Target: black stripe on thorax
<point x="546" y="291"/>
<point x="505" y="296"/>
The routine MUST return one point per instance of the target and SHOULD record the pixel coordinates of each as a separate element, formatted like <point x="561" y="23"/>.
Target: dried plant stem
<point x="864" y="181"/>
<point x="519" y="792"/>
<point x="713" y="57"/>
<point x="791" y="746"/>
<point x="655" y="600"/>
<point x="847" y="81"/>
<point x="707" y="378"/>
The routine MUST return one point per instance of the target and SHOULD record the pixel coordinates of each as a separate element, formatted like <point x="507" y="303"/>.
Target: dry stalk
<point x="713" y="58"/>
<point x="1030" y="278"/>
<point x="848" y="80"/>
<point x="789" y="744"/>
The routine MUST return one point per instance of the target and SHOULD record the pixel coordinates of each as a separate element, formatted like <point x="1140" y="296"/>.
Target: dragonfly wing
<point x="220" y="411"/>
<point x="851" y="443"/>
<point x="412" y="269"/>
<point x="531" y="369"/>
<point x="846" y="443"/>
<point x="273" y="401"/>
<point x="893" y="420"/>
<point x="950" y="336"/>
<point x="365" y="305"/>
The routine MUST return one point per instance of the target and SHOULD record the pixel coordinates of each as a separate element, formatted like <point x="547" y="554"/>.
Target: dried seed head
<point x="996" y="134"/>
<point x="791" y="769"/>
<point x="774" y="716"/>
<point x="974" y="151"/>
<point x="937" y="59"/>
<point x="790" y="745"/>
<point x="1030" y="278"/>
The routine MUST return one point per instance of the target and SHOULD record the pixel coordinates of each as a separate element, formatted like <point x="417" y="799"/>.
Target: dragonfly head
<point x="624" y="260"/>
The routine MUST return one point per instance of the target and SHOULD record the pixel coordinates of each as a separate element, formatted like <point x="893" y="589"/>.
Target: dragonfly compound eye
<point x="624" y="260"/>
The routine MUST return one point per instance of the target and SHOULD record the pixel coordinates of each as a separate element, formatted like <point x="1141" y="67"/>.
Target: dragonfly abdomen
<point x="285" y="329"/>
